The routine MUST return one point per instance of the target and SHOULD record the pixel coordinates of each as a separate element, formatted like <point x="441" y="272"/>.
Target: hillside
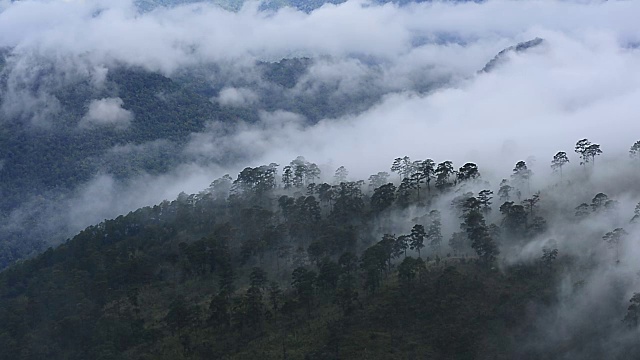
<point x="468" y="190"/>
<point x="44" y="162"/>
<point x="255" y="266"/>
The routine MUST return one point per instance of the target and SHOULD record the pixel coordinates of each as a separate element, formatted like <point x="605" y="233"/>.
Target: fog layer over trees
<point x="468" y="186"/>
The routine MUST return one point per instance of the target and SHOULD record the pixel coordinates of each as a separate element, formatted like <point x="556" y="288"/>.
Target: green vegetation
<point x="44" y="160"/>
<point x="287" y="268"/>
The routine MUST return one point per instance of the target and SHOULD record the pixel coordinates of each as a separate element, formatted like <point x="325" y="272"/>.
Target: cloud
<point x="360" y="48"/>
<point x="407" y="79"/>
<point x="420" y="62"/>
<point x="167" y="38"/>
<point x="237" y="97"/>
<point x="106" y="112"/>
<point x="536" y="103"/>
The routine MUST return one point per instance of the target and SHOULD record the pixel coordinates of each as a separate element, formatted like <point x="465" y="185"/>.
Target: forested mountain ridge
<point x="304" y="5"/>
<point x="64" y="130"/>
<point x="43" y="159"/>
<point x="278" y="263"/>
<point x="51" y="161"/>
<point x="127" y="122"/>
<point x="440" y="211"/>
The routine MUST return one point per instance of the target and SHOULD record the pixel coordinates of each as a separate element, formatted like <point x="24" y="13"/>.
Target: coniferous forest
<point x="287" y="262"/>
<point x="319" y="180"/>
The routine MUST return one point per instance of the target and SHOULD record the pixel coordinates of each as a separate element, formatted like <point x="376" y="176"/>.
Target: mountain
<point x="52" y="148"/>
<point x="502" y="56"/>
<point x="205" y="277"/>
<point x="304" y="270"/>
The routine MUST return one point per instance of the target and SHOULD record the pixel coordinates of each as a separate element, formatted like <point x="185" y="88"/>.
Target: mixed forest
<point x="421" y="260"/>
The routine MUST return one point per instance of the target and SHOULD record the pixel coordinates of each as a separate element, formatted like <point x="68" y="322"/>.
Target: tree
<point x="346" y="293"/>
<point x="481" y="241"/>
<point x="326" y="193"/>
<point x="434" y="232"/>
<point x="587" y="151"/>
<point x="581" y="149"/>
<point x="219" y="309"/>
<point x="255" y="181"/>
<point x="254" y="306"/>
<point x="396" y="167"/>
<point x="348" y="263"/>
<point x="613" y="238"/>
<point x="592" y="151"/>
<point x="341" y="175"/>
<point x="402" y="244"/>
<point x="636" y="213"/>
<point x="378" y="180"/>
<point x="443" y="172"/>
<point x="468" y="171"/>
<point x="417" y="238"/>
<point x="470" y="204"/>
<point x="522" y="175"/>
<point x="537" y="227"/>
<point x="220" y="188"/>
<point x="582" y="210"/>
<point x="548" y="256"/>
<point x="505" y="190"/>
<point x="348" y="202"/>
<point x="287" y="177"/>
<point x="634" y="151"/>
<point x="275" y="295"/>
<point x="402" y="166"/>
<point x="373" y="262"/>
<point x="408" y="269"/>
<point x="383" y="197"/>
<point x="408" y="167"/>
<point x="417" y="179"/>
<point x="427" y="168"/>
<point x="458" y="203"/>
<point x="303" y="282"/>
<point x="328" y="274"/>
<point x="599" y="201"/>
<point x="559" y="160"/>
<point x="403" y="194"/>
<point x="532" y="203"/>
<point x="300" y="167"/>
<point x="484" y="197"/>
<point x="258" y="278"/>
<point x="632" y="319"/>
<point x="457" y="242"/>
<point x="180" y="314"/>
<point x="388" y="246"/>
<point x="515" y="218"/>
<point x="313" y="172"/>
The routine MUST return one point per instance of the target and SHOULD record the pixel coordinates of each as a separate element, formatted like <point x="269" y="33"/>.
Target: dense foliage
<point x="45" y="160"/>
<point x="278" y="264"/>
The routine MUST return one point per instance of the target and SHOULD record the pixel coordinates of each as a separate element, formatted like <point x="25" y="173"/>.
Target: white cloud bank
<point x="584" y="81"/>
<point x="107" y="112"/>
<point x="237" y="97"/>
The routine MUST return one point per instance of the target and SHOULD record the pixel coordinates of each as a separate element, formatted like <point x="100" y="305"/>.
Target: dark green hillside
<point x="46" y="160"/>
<point x="282" y="267"/>
<point x="50" y="162"/>
<point x="64" y="156"/>
<point x="139" y="286"/>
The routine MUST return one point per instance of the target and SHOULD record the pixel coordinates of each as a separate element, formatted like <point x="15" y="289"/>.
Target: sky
<point x="423" y="59"/>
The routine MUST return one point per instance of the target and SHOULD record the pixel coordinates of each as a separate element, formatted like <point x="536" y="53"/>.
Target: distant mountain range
<point x="501" y="57"/>
<point x="41" y="167"/>
<point x="304" y="5"/>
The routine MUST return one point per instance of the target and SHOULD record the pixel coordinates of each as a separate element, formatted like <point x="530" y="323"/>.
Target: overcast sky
<point x="583" y="81"/>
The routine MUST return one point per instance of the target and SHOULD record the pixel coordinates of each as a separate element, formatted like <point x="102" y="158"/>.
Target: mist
<point x="420" y="60"/>
<point x="398" y="80"/>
